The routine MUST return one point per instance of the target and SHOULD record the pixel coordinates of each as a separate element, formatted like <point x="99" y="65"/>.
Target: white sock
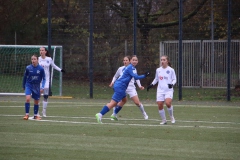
<point x="114" y="110"/>
<point x="141" y="108"/>
<point x="162" y="114"/>
<point x="45" y="106"/>
<point x="170" y="111"/>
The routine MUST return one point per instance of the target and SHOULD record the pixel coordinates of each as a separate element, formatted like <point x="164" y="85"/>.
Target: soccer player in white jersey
<point x="131" y="90"/>
<point x="165" y="77"/>
<point x="45" y="61"/>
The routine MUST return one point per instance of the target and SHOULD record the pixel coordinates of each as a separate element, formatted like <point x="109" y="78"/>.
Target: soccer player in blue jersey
<point x="33" y="76"/>
<point x="120" y="87"/>
<point x="131" y="90"/>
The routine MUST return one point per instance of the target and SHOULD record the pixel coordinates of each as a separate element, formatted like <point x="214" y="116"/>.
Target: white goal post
<point x="15" y="58"/>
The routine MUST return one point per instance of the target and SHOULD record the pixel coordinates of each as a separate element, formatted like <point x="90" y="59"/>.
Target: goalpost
<point x="13" y="61"/>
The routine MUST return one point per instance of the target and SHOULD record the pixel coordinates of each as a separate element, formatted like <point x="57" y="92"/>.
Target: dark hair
<point x="169" y="63"/>
<point x="128" y="57"/>
<point x="34" y="55"/>
<point x="47" y="53"/>
<point x="133" y="56"/>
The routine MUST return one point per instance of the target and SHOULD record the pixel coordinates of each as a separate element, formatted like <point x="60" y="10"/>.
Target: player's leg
<point x="168" y="102"/>
<point x="36" y="97"/>
<point x="118" y="95"/>
<point x="121" y="103"/>
<point x="27" y="107"/>
<point x="161" y="111"/>
<point x="118" y="108"/>
<point x="136" y="100"/>
<point x="27" y="102"/>
<point x="105" y="109"/>
<point x="45" y="102"/>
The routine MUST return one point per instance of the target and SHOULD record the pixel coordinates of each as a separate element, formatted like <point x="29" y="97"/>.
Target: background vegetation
<point x="25" y="23"/>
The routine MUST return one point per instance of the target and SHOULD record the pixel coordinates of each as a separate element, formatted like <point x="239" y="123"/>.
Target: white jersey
<point x="45" y="63"/>
<point x="131" y="83"/>
<point x="163" y="77"/>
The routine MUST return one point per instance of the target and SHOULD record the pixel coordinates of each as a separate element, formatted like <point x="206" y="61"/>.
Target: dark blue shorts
<point x="119" y="94"/>
<point x="33" y="90"/>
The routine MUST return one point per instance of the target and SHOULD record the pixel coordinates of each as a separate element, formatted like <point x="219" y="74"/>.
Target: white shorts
<point x="131" y="92"/>
<point x="162" y="97"/>
<point x="46" y="84"/>
<point x="46" y="91"/>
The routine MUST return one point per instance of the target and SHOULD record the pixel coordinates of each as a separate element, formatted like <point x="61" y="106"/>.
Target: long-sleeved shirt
<point x="123" y="81"/>
<point x="163" y="77"/>
<point x="33" y="76"/>
<point x="131" y="83"/>
<point x="45" y="63"/>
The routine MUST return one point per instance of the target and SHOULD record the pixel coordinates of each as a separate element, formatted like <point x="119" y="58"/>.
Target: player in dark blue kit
<point x="120" y="87"/>
<point x="33" y="76"/>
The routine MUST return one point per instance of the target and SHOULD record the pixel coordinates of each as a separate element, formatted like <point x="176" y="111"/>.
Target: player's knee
<point x="168" y="104"/>
<point x="45" y="97"/>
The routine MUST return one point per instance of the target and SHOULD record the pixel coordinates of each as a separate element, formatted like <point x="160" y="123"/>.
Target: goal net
<point x="15" y="58"/>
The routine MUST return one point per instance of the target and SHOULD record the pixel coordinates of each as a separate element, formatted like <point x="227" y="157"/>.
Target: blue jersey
<point x="127" y="75"/>
<point x="33" y="76"/>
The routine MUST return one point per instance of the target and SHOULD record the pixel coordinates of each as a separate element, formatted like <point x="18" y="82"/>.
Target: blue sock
<point x="117" y="109"/>
<point x="27" y="107"/>
<point x="104" y="110"/>
<point x="36" y="106"/>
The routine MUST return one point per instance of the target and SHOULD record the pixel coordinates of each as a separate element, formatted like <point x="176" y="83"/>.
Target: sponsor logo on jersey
<point x="34" y="77"/>
<point x="161" y="78"/>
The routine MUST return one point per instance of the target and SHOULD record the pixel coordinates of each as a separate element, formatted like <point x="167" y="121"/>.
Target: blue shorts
<point x="119" y="94"/>
<point x="33" y="90"/>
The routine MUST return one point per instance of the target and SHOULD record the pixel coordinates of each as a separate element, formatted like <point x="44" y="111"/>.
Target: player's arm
<point x="56" y="67"/>
<point x="139" y="84"/>
<point x="155" y="81"/>
<point x="174" y="79"/>
<point x="25" y="78"/>
<point x="43" y="79"/>
<point x="115" y="77"/>
<point x="135" y="76"/>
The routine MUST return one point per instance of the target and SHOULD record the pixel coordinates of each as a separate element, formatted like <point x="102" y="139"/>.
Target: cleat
<point x="98" y="117"/>
<point x="31" y="118"/>
<point x="36" y="118"/>
<point x="114" y="118"/>
<point x="145" y="115"/>
<point x="163" y="122"/>
<point x="173" y="120"/>
<point x="44" y="114"/>
<point x="26" y="117"/>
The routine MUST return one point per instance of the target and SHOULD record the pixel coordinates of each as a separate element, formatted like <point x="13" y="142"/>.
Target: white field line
<point x="143" y="125"/>
<point x="127" y="105"/>
<point x="125" y="119"/>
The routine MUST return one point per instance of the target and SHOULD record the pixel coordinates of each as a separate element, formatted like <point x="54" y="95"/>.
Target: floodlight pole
<point x="229" y="52"/>
<point x="180" y="53"/>
<point x="90" y="67"/>
<point x="134" y="27"/>
<point x="49" y="40"/>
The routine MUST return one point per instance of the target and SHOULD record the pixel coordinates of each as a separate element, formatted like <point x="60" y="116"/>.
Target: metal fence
<point x="204" y="62"/>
